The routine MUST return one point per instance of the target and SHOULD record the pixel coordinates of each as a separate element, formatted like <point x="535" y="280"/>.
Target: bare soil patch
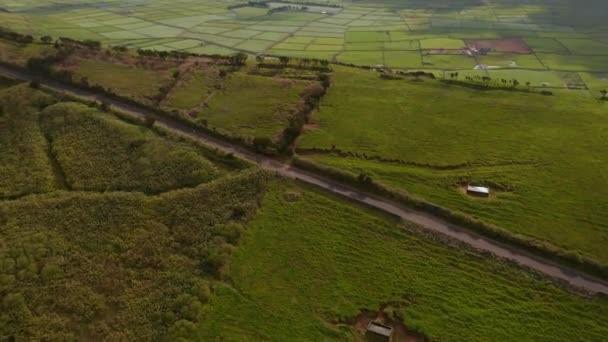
<point x="514" y="45"/>
<point x="400" y="332"/>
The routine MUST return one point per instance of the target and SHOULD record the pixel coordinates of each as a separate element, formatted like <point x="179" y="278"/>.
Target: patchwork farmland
<point x="548" y="48"/>
<point x="435" y="167"/>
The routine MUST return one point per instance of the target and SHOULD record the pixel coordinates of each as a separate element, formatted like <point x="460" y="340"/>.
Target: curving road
<point x="565" y="274"/>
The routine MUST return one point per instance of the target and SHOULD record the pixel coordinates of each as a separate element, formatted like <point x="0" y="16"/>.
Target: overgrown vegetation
<point x="102" y="264"/>
<point x="24" y="164"/>
<point x="118" y="266"/>
<point x="99" y="152"/>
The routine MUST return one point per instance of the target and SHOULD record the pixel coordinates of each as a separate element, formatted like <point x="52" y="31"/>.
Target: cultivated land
<point x="555" y="38"/>
<point x="209" y="261"/>
<point x="543" y="156"/>
<point x="112" y="227"/>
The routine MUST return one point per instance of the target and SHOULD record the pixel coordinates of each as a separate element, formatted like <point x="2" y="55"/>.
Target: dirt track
<point x="426" y="221"/>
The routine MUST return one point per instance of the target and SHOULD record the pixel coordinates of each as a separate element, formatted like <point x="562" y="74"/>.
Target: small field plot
<point x="246" y="13"/>
<point x="537" y="79"/>
<point x="546" y="45"/>
<point x="448" y="61"/>
<point x="513" y="45"/>
<point x="253" y="105"/>
<point x="402" y="45"/>
<point x="574" y="62"/>
<point x="254" y="45"/>
<point x="442" y="43"/>
<point x="136" y="82"/>
<point x="510" y="60"/>
<point x="192" y="90"/>
<point x="585" y="46"/>
<point x="595" y="82"/>
<point x="355" y="37"/>
<point x="361" y="57"/>
<point x="403" y="59"/>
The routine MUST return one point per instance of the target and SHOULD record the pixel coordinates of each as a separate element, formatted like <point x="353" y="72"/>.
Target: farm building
<point x="480" y="191"/>
<point x="378" y="332"/>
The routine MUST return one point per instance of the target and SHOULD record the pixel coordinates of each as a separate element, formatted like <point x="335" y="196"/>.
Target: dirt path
<point x="573" y="277"/>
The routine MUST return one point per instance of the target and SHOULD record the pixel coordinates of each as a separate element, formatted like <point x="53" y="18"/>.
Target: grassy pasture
<point x="511" y="60"/>
<point x="252" y="106"/>
<point x="574" y="62"/>
<point x="344" y="258"/>
<point x="530" y="148"/>
<point x="136" y="82"/>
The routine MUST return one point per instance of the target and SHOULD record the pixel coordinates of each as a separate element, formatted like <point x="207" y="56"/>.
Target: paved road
<point x="426" y="221"/>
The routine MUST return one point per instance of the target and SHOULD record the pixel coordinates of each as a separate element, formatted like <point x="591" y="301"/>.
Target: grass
<point x="403" y="59"/>
<point x="487" y="137"/>
<point x="574" y="62"/>
<point x="442" y="43"/>
<point x="511" y="60"/>
<point x="361" y="57"/>
<point x="192" y="90"/>
<point x="139" y="83"/>
<point x="448" y="61"/>
<point x="101" y="153"/>
<point x="306" y="263"/>
<point x="253" y="105"/>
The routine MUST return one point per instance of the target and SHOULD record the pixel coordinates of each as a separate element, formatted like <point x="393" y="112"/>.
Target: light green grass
<point x="354" y="37"/>
<point x="442" y="43"/>
<point x="403" y="59"/>
<point x="546" y="45"/>
<point x="361" y="57"/>
<point x="511" y="60"/>
<point x="448" y="61"/>
<point x="574" y="63"/>
<point x="544" y="152"/>
<point x="135" y="82"/>
<point x="253" y="105"/>
<point x="304" y="264"/>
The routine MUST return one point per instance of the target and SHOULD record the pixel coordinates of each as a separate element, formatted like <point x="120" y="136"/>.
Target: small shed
<point x="378" y="332"/>
<point x="479" y="191"/>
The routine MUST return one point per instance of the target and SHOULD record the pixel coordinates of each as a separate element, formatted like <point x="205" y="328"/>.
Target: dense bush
<point x="99" y="152"/>
<point x="24" y="165"/>
<point x="118" y="265"/>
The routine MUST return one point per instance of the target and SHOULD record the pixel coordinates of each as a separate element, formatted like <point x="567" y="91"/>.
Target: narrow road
<point x="573" y="277"/>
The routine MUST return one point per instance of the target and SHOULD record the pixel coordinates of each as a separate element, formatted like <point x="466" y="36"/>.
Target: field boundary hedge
<point x="526" y="243"/>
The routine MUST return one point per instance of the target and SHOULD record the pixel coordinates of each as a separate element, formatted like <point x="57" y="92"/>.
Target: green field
<point x="542" y="155"/>
<point x="253" y="105"/>
<point x="309" y="261"/>
<point x="574" y="38"/>
<point x="127" y="80"/>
